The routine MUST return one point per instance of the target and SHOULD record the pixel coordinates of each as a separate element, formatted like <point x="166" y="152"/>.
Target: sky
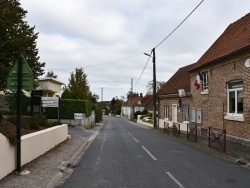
<point x="108" y="38"/>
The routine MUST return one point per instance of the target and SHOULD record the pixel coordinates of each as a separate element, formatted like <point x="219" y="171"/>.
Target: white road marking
<point x="135" y="140"/>
<point x="175" y="180"/>
<point x="129" y="133"/>
<point x="149" y="153"/>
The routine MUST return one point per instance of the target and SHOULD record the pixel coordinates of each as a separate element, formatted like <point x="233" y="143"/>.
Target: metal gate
<point x="217" y="139"/>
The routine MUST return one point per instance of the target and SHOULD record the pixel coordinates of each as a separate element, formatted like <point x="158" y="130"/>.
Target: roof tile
<point x="234" y="38"/>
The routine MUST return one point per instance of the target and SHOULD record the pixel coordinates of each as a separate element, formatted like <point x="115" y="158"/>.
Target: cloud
<point x="95" y="34"/>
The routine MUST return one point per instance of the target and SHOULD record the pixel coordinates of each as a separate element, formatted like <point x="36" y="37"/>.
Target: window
<point x="166" y="112"/>
<point x="205" y="86"/>
<point x="235" y="98"/>
<point x="196" y="116"/>
<point x="139" y="102"/>
<point x="185" y="113"/>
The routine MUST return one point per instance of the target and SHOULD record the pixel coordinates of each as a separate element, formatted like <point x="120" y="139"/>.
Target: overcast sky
<point x="108" y="38"/>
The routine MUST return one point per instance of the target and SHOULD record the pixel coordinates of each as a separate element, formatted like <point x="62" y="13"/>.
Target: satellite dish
<point x="247" y="63"/>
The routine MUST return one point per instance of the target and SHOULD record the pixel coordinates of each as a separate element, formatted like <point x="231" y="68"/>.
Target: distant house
<point x="147" y="102"/>
<point x="51" y="87"/>
<point x="223" y="100"/>
<point x="173" y="106"/>
<point x="132" y="105"/>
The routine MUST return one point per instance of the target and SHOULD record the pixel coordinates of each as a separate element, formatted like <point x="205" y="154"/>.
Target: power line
<point x="142" y="71"/>
<point x="142" y="52"/>
<point x="179" y="24"/>
<point x="103" y="63"/>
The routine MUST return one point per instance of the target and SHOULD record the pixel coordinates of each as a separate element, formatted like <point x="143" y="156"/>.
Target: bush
<point x="143" y="116"/>
<point x="12" y="104"/>
<point x="137" y="113"/>
<point x="144" y="112"/>
<point x="33" y="123"/>
<point x="118" y="112"/>
<point x="98" y="113"/>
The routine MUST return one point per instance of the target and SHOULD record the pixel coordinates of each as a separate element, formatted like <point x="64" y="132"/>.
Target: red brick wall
<point x="214" y="104"/>
<point x="170" y="101"/>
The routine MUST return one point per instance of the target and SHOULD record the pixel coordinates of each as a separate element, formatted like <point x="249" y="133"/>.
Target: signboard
<point x="78" y="115"/>
<point x="50" y="101"/>
<point x="26" y="76"/>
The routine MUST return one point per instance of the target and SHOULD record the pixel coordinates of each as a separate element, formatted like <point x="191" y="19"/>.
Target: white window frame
<point x="185" y="113"/>
<point x="205" y="83"/>
<point x="166" y="112"/>
<point x="235" y="91"/>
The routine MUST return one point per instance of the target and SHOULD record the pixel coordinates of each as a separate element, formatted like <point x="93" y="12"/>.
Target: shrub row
<point x="98" y="113"/>
<point x="68" y="107"/>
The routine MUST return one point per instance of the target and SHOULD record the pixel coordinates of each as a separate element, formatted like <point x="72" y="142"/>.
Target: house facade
<point x="51" y="87"/>
<point x="174" y="99"/>
<point x="132" y="105"/>
<point x="217" y="93"/>
<point x="223" y="100"/>
<point x="137" y="103"/>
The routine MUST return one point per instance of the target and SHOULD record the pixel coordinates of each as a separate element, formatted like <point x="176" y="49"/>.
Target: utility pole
<point x="154" y="90"/>
<point x="154" y="87"/>
<point x="102" y="95"/>
<point x="131" y="105"/>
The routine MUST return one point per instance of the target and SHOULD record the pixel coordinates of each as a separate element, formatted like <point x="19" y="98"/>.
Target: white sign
<point x="50" y="101"/>
<point x="50" y="98"/>
<point x="78" y="115"/>
<point x="50" y="105"/>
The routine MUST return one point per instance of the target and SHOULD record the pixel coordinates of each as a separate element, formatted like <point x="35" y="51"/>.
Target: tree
<point x="51" y="74"/>
<point x="16" y="37"/>
<point x="131" y="94"/>
<point x="78" y="87"/>
<point x="116" y="105"/>
<point x="94" y="97"/>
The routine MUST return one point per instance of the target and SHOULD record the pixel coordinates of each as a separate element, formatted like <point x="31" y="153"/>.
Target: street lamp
<point x="154" y="87"/>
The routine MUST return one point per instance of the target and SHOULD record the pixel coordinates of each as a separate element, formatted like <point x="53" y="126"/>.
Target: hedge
<point x="98" y="113"/>
<point x="68" y="107"/>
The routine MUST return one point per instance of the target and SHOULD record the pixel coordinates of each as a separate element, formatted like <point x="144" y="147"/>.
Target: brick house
<point x="173" y="107"/>
<point x="223" y="100"/>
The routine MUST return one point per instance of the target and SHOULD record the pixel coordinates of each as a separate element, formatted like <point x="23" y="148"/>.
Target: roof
<point x="50" y="79"/>
<point x="134" y="101"/>
<point x="180" y="80"/>
<point x="236" y="37"/>
<point x="147" y="101"/>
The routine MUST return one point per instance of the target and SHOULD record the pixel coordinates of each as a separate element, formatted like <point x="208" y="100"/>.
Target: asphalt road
<point x="127" y="155"/>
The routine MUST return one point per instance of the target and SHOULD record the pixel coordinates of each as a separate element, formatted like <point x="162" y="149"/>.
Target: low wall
<point x="7" y="157"/>
<point x="183" y="126"/>
<point x="32" y="146"/>
<point x="86" y="122"/>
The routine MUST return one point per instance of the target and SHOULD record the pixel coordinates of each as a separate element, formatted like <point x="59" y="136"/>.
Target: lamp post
<point x="154" y="88"/>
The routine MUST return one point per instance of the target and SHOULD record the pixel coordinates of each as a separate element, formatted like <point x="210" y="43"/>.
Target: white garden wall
<point x="183" y="125"/>
<point x="32" y="146"/>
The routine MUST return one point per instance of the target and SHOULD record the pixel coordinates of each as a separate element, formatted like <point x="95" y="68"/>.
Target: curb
<point x="55" y="180"/>
<point x="74" y="159"/>
<point x="78" y="152"/>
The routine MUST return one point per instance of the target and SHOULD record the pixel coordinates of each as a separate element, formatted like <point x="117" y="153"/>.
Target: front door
<point x="174" y="112"/>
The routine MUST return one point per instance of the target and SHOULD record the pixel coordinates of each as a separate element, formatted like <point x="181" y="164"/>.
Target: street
<point x="127" y="155"/>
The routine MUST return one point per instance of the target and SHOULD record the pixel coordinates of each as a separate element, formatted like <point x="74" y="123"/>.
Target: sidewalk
<point x="47" y="170"/>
